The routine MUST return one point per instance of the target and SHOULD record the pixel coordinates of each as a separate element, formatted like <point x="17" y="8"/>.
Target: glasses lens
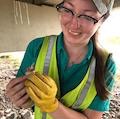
<point x="65" y="12"/>
<point x="87" y="19"/>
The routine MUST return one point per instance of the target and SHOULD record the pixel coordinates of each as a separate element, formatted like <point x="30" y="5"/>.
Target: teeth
<point x="74" y="33"/>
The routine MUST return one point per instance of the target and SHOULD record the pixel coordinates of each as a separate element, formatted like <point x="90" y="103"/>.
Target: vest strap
<point x="83" y="93"/>
<point x="48" y="55"/>
<point x="42" y="66"/>
<point x="47" y="62"/>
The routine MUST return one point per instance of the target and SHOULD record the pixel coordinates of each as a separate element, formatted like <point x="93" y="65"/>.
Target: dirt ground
<point x="8" y="70"/>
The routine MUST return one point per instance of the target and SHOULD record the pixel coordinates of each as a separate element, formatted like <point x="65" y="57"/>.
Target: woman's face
<point x="78" y="30"/>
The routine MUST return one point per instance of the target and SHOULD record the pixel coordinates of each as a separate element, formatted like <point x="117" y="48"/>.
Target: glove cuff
<point x="50" y="108"/>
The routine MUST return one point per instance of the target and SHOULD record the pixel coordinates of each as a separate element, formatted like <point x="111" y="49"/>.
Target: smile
<point x="74" y="33"/>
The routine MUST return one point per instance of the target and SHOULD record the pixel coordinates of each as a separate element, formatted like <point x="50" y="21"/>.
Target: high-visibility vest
<point x="80" y="97"/>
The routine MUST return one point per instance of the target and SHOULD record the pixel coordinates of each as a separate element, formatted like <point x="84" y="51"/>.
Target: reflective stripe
<point x="83" y="94"/>
<point x="48" y="55"/>
<point x="47" y="62"/>
<point x="44" y="115"/>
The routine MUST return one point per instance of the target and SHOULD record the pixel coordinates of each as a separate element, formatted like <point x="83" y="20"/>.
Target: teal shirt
<point x="69" y="77"/>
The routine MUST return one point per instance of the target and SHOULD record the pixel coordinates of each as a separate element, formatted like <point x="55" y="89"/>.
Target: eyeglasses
<point x="88" y="20"/>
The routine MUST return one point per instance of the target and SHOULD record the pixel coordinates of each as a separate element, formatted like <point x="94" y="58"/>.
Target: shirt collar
<point x="60" y="43"/>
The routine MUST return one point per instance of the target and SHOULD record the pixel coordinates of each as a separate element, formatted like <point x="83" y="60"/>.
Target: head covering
<point x="102" y="5"/>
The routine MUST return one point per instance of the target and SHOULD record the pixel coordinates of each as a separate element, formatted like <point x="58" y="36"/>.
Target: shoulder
<point x="34" y="46"/>
<point x="35" y="42"/>
<point x="30" y="55"/>
<point x="110" y="72"/>
<point x="110" y="64"/>
<point x="38" y="41"/>
<point x="109" y="61"/>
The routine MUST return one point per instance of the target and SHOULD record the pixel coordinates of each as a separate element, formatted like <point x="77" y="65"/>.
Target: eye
<point x="88" y="18"/>
<point x="66" y="10"/>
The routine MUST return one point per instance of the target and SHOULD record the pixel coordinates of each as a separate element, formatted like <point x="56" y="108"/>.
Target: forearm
<point x="66" y="113"/>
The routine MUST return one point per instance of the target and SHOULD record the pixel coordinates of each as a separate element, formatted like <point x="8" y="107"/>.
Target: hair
<point x="100" y="68"/>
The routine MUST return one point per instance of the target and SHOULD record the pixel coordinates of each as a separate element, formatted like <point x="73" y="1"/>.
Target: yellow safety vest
<point x="80" y="97"/>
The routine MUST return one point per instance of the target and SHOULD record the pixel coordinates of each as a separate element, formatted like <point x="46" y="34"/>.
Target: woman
<point x="85" y="71"/>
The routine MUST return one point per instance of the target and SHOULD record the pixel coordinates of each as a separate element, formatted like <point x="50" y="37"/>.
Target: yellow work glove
<point x="42" y="89"/>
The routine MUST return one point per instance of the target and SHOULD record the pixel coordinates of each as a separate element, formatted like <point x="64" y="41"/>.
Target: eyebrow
<point x="67" y="1"/>
<point x="87" y="10"/>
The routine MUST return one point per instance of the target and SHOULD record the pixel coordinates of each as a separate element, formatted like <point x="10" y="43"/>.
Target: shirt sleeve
<point x="98" y="104"/>
<point x="30" y="56"/>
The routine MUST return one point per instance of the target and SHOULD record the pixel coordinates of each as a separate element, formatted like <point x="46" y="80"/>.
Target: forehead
<point x="86" y="4"/>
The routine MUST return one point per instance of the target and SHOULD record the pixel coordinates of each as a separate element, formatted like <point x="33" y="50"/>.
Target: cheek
<point x="64" y="21"/>
<point x="91" y="30"/>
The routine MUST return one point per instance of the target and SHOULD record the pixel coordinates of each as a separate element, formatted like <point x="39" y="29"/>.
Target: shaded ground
<point x="8" y="69"/>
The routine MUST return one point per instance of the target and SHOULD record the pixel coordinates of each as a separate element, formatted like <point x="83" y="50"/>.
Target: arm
<point x="66" y="113"/>
<point x="110" y="73"/>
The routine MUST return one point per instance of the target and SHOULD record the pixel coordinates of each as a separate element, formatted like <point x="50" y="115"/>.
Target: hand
<point x="15" y="90"/>
<point x="42" y="90"/>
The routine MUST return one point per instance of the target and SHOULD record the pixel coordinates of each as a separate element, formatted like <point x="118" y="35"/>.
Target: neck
<point x="76" y="53"/>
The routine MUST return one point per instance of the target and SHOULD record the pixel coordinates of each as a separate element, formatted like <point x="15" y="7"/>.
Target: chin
<point x="73" y="40"/>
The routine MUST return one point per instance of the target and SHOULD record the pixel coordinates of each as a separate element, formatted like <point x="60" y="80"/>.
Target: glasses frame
<point x="59" y="6"/>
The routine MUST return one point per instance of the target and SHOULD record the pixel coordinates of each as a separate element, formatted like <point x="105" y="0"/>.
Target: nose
<point x="74" y="23"/>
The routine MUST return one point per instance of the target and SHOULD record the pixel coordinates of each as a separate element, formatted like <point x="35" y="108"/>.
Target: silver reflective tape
<point x="83" y="94"/>
<point x="44" y="115"/>
<point x="47" y="62"/>
<point x="48" y="55"/>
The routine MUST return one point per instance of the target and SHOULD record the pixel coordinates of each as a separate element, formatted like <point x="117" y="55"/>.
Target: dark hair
<point x="100" y="71"/>
<point x="100" y="68"/>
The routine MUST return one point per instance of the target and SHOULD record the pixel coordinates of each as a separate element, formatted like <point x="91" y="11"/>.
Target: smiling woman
<point x="82" y="71"/>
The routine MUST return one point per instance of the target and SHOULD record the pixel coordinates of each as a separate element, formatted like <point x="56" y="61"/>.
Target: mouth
<point x="75" y="33"/>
